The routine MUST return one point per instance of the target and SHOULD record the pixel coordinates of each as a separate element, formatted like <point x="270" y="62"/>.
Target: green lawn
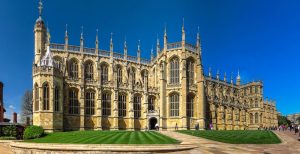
<point x="106" y="137"/>
<point x="237" y="136"/>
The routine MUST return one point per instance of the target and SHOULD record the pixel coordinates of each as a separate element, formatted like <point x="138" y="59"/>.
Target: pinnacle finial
<point x="81" y="32"/>
<point x="97" y="30"/>
<point x="183" y="24"/>
<point x="165" y="32"/>
<point x="125" y="43"/>
<point x="198" y="35"/>
<point x="66" y="33"/>
<point x="40" y="8"/>
<point x="209" y="72"/>
<point x="238" y="76"/>
<point x="152" y="56"/>
<point x="48" y="35"/>
<point x="139" y="45"/>
<point x="111" y="37"/>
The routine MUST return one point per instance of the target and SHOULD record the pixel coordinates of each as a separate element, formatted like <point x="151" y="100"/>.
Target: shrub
<point x="10" y="131"/>
<point x="32" y="132"/>
<point x="7" y="138"/>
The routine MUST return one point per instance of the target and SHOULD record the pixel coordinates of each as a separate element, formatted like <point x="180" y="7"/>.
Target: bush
<point x="7" y="138"/>
<point x="32" y="132"/>
<point x="10" y="131"/>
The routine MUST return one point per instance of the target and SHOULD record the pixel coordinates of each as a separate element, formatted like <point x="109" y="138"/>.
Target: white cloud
<point x="12" y="107"/>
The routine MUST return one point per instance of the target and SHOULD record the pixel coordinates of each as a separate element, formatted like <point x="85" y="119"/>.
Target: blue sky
<point x="261" y="38"/>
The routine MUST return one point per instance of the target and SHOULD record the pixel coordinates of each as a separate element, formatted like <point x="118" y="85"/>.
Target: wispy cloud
<point x="12" y="107"/>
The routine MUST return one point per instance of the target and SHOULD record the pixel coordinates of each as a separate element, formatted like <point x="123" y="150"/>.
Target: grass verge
<point x="237" y="136"/>
<point x="105" y="137"/>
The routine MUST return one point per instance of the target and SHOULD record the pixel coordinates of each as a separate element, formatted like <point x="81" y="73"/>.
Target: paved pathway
<point x="4" y="148"/>
<point x="290" y="145"/>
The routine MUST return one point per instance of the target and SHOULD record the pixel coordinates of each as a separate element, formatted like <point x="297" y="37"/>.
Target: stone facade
<point x="293" y="118"/>
<point x="78" y="88"/>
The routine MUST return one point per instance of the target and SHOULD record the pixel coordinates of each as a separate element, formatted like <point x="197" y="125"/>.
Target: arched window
<point x="256" y="103"/>
<point x="36" y="98"/>
<point x="122" y="105"/>
<point x="58" y="63"/>
<point x="151" y="105"/>
<point x="106" y="104"/>
<point x="73" y="70"/>
<point x="119" y="75"/>
<point x="174" y="105"/>
<point x="88" y="71"/>
<point x="90" y="103"/>
<point x="190" y="106"/>
<point x="137" y="106"/>
<point x="174" y="71"/>
<point x="46" y="97"/>
<point x="73" y="102"/>
<point x="104" y="73"/>
<point x="56" y="98"/>
<point x="256" y="118"/>
<point x="251" y="118"/>
<point x="190" y="72"/>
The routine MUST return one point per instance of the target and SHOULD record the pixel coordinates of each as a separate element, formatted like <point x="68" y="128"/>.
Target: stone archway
<point x="152" y="122"/>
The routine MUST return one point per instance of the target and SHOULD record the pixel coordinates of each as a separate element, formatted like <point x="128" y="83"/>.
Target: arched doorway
<point x="152" y="122"/>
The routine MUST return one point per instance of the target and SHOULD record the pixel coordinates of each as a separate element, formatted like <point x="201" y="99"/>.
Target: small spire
<point x="81" y="35"/>
<point x="165" y="31"/>
<point x="125" y="49"/>
<point x="40" y="8"/>
<point x="97" y="34"/>
<point x="218" y="74"/>
<point x="97" y="41"/>
<point x="157" y="45"/>
<point x="152" y="57"/>
<point x="183" y="34"/>
<point x="238" y="78"/>
<point x="225" y="76"/>
<point x="125" y="43"/>
<point x="48" y="36"/>
<point x="111" y="42"/>
<point x="198" y="37"/>
<point x="209" y="72"/>
<point x="139" y="51"/>
<point x="111" y="37"/>
<point x="66" y="32"/>
<point x="231" y="78"/>
<point x="165" y="38"/>
<point x="183" y="24"/>
<point x="139" y="45"/>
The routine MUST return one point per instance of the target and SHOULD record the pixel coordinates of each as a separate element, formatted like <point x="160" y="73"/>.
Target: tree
<point x="26" y="105"/>
<point x="282" y="120"/>
<point x="298" y="119"/>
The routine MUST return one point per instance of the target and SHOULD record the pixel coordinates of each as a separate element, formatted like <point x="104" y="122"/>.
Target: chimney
<point x="27" y="121"/>
<point x="15" y="117"/>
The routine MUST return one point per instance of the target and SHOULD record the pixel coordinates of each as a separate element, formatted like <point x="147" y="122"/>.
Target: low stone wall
<point x="54" y="148"/>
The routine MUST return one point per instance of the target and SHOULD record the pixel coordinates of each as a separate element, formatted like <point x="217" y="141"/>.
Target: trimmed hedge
<point x="10" y="131"/>
<point x="7" y="138"/>
<point x="32" y="132"/>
